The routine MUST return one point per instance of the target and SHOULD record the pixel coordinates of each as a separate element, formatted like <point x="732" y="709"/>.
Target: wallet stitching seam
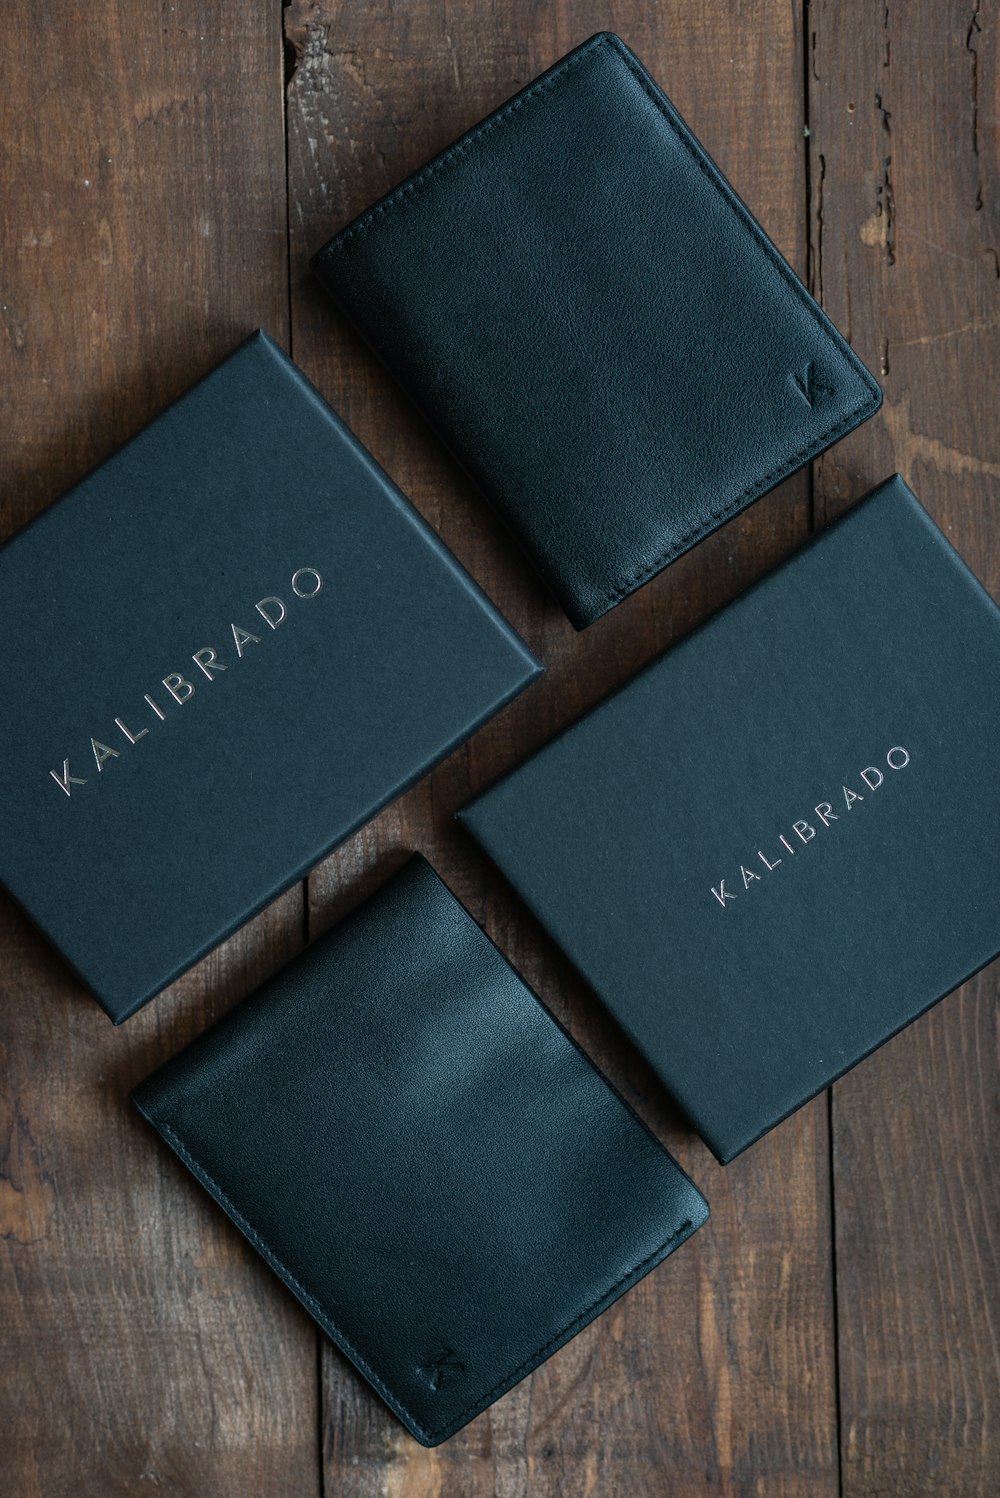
<point x="759" y="487"/>
<point x="789" y="463"/>
<point x="420" y="177"/>
<point x="281" y="1269"/>
<point x="816" y="444"/>
<point x="580" y="1320"/>
<point x="330" y="1326"/>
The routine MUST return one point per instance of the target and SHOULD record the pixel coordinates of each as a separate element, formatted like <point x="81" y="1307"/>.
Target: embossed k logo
<point x="445" y="1367"/>
<point x="809" y="387"/>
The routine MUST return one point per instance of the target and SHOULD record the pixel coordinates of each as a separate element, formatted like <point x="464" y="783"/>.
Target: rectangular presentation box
<point x="777" y="844"/>
<point x="225" y="650"/>
<point x="422" y="1155"/>
<point x="597" y="326"/>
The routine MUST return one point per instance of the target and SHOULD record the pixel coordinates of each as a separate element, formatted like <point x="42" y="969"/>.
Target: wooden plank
<point x="146" y="1349"/>
<point x="717" y="1374"/>
<point x="906" y="226"/>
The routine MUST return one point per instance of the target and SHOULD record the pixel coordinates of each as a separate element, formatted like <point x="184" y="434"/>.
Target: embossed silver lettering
<point x="65" y="780"/>
<point x="872" y="777"/>
<point x="103" y="752"/>
<point x="243" y="637"/>
<point x="305" y="583"/>
<point x="133" y="738"/>
<point x="280" y="610"/>
<point x="299" y="579"/>
<point x="180" y="689"/>
<point x="207" y="661"/>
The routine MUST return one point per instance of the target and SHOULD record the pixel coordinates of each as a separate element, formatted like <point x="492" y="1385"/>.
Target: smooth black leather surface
<point x="749" y="1001"/>
<point x="207" y="803"/>
<point x="597" y="326"/>
<point x="424" y="1157"/>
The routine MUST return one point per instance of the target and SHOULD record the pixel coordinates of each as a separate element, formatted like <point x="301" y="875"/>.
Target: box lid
<point x="777" y="844"/>
<point x="226" y="649"/>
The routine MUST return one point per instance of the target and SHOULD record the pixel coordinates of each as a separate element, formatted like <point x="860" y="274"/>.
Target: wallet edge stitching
<point x="329" y="1325"/>
<point x="756" y="490"/>
<point x="560" y="1337"/>
<point x="833" y="338"/>
<point x="498" y="117"/>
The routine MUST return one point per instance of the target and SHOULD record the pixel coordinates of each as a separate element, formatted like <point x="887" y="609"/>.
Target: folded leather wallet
<point x="597" y="326"/>
<point x="424" y="1157"/>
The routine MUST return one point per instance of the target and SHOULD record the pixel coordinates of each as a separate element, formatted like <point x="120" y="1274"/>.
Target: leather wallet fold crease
<point x="422" y="1155"/>
<point x="607" y="340"/>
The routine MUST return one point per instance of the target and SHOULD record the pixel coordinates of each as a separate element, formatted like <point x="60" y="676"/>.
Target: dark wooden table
<point x="168" y="169"/>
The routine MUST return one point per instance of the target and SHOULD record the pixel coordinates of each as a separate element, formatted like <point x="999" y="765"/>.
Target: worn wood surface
<point x="833" y="1330"/>
<point x="145" y="1350"/>
<point x="906" y="230"/>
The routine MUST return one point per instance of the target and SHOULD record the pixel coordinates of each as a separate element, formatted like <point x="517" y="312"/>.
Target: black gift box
<point x="778" y="844"/>
<point x="225" y="650"/>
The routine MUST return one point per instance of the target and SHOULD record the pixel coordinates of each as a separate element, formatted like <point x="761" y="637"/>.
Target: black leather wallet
<point x="425" y="1158"/>
<point x="596" y="325"/>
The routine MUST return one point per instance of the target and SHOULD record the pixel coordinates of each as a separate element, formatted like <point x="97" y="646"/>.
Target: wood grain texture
<point x="906" y="216"/>
<point x="834" y="1327"/>
<point x="145" y="1348"/>
<point x="666" y="1392"/>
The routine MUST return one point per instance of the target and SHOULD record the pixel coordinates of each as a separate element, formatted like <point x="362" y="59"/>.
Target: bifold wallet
<point x="422" y="1155"/>
<point x="224" y="651"/>
<point x="597" y="326"/>
<point x="777" y="844"/>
